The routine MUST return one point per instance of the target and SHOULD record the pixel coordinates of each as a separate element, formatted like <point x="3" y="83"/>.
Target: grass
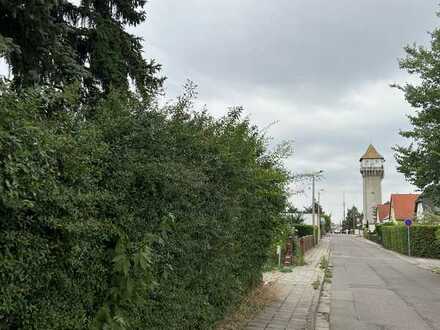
<point x="250" y="306"/>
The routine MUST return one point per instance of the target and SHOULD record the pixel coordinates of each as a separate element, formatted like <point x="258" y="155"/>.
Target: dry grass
<point x="251" y="305"/>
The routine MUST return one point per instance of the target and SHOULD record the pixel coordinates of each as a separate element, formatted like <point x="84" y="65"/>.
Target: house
<point x="424" y="205"/>
<point x="402" y="206"/>
<point x="383" y="213"/>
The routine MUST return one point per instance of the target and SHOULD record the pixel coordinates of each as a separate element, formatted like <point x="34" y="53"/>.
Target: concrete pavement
<point x="425" y="263"/>
<point x="374" y="289"/>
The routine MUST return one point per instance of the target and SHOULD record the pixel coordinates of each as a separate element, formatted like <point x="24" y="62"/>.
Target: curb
<point x="322" y="317"/>
<point x="313" y="310"/>
<point x="410" y="260"/>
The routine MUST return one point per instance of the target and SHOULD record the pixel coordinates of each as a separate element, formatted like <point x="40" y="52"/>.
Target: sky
<point x="317" y="72"/>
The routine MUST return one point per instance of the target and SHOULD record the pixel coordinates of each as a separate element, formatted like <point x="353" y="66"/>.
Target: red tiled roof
<point x="383" y="210"/>
<point x="403" y="205"/>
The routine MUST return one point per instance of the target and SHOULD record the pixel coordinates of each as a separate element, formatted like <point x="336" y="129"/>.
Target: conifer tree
<point x="56" y="42"/>
<point x="35" y="45"/>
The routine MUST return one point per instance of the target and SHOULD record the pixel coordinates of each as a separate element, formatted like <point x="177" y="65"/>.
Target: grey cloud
<point x="305" y="46"/>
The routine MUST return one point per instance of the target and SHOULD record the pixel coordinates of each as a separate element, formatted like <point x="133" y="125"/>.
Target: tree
<point x="292" y="215"/>
<point x="35" y="42"/>
<point x="318" y="208"/>
<point x="420" y="161"/>
<point x="56" y="43"/>
<point x="327" y="225"/>
<point x="352" y="219"/>
<point x="294" y="219"/>
<point x="114" y="55"/>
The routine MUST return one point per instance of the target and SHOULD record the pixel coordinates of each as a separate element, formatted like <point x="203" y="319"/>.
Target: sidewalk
<point x="424" y="263"/>
<point x="297" y="300"/>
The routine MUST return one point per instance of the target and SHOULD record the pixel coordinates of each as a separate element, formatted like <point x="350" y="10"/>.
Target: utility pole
<point x="343" y="206"/>
<point x="354" y="223"/>
<point x="313" y="208"/>
<point x="319" y="213"/>
<point x="313" y="175"/>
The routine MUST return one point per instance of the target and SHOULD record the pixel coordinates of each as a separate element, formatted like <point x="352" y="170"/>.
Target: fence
<point x="306" y="243"/>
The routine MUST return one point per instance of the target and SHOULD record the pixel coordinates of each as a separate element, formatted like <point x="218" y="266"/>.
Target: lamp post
<point x="319" y="213"/>
<point x="314" y="175"/>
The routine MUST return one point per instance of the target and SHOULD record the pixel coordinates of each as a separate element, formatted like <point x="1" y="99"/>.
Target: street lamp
<point x="319" y="212"/>
<point x="314" y="175"/>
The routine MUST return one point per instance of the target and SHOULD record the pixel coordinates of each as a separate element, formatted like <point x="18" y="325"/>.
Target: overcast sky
<point x="320" y="69"/>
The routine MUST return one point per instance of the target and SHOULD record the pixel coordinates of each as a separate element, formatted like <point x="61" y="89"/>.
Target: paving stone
<point x="263" y="318"/>
<point x="292" y="308"/>
<point x="257" y="324"/>
<point x="276" y="327"/>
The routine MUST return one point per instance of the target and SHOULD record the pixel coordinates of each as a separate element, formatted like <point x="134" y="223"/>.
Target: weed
<point x="316" y="284"/>
<point x="325" y="266"/>
<point x="300" y="260"/>
<point x="286" y="269"/>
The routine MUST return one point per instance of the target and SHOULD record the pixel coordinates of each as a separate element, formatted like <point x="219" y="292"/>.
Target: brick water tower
<point x="372" y="173"/>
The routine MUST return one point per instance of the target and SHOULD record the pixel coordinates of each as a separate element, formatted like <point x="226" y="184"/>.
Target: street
<point x="375" y="289"/>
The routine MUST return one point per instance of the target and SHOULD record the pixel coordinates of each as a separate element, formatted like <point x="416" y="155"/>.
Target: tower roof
<point x="371" y="153"/>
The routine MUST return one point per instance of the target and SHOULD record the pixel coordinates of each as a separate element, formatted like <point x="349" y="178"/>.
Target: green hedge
<point x="425" y="240"/>
<point x="395" y="238"/>
<point x="376" y="236"/>
<point x="304" y="230"/>
<point x="125" y="216"/>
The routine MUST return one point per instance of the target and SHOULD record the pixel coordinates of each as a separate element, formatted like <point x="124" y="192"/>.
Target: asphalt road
<point x="374" y="289"/>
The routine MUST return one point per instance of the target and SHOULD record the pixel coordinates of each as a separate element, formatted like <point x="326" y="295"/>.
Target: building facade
<point x="372" y="170"/>
<point x="383" y="213"/>
<point x="424" y="206"/>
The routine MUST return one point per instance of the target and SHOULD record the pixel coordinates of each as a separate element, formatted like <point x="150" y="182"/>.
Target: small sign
<point x="408" y="222"/>
<point x="278" y="250"/>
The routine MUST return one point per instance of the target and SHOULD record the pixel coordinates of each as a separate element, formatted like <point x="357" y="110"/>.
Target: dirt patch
<point x="251" y="305"/>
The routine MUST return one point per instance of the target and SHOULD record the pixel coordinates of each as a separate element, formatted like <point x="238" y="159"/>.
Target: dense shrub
<point x="395" y="238"/>
<point x="377" y="235"/>
<point x="129" y="216"/>
<point x="424" y="240"/>
<point x="280" y="238"/>
<point x="374" y="237"/>
<point x="378" y="232"/>
<point x="304" y="230"/>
